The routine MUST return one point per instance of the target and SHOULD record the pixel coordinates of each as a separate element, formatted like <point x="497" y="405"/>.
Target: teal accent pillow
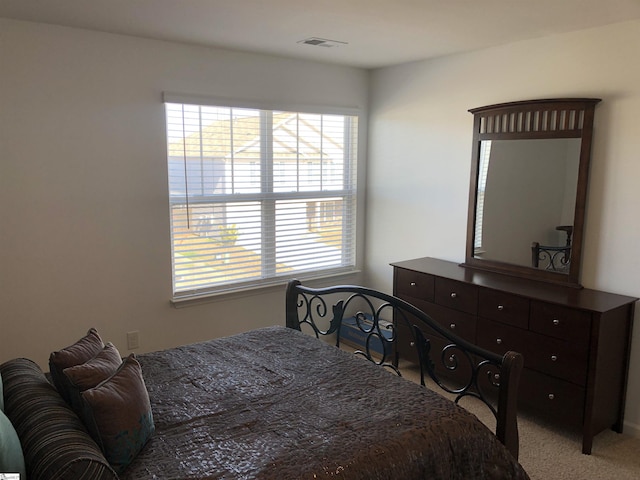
<point x="118" y="415"/>
<point x="11" y="456"/>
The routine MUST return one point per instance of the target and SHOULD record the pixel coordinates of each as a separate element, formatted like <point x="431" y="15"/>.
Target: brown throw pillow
<point x="90" y="373"/>
<point x="118" y="415"/>
<point x="84" y="349"/>
<point x="96" y="370"/>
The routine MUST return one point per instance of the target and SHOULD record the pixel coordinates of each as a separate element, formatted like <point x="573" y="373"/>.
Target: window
<point x="483" y="171"/>
<point x="258" y="196"/>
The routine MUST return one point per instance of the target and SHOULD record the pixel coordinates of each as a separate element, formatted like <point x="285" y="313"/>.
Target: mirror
<point x="528" y="188"/>
<point x="526" y="191"/>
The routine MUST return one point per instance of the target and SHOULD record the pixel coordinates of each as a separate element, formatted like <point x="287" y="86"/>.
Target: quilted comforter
<point x="278" y="404"/>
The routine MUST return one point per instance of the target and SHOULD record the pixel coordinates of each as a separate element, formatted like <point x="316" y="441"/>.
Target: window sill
<point x="243" y="292"/>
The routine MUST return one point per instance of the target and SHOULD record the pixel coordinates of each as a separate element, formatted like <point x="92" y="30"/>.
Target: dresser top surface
<point x="582" y="298"/>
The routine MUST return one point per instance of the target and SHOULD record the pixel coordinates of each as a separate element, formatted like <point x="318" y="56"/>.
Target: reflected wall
<point x="527" y="188"/>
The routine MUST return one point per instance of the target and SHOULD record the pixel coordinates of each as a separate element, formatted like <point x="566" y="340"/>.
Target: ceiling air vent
<point x="322" y="42"/>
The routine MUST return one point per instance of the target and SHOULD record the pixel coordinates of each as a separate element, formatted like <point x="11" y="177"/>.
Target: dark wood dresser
<point x="575" y="341"/>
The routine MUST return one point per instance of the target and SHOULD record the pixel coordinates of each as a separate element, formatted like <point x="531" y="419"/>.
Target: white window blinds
<point x="259" y="196"/>
<point x="483" y="172"/>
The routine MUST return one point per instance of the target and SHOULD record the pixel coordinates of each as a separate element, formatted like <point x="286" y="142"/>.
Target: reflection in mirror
<point x="526" y="201"/>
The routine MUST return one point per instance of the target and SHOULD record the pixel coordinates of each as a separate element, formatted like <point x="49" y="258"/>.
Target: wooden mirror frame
<point x="534" y="119"/>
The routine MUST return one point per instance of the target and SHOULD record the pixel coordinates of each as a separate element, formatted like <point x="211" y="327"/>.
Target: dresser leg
<point x="587" y="443"/>
<point x="618" y="426"/>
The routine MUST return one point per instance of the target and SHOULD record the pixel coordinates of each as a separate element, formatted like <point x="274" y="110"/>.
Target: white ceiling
<point x="378" y="32"/>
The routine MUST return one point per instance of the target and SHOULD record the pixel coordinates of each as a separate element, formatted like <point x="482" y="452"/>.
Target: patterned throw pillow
<point x="90" y="373"/>
<point x="84" y="349"/>
<point x="118" y="414"/>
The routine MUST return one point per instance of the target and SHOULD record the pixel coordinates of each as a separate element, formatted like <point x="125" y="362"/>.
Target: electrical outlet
<point x="133" y="341"/>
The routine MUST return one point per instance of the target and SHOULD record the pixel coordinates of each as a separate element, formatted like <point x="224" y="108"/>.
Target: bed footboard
<point x="377" y="316"/>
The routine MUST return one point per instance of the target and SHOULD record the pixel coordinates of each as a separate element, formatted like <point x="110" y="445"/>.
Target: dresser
<point x="575" y="341"/>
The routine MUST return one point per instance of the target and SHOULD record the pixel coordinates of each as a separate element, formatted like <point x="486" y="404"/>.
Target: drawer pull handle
<point x="413" y="344"/>
<point x="554" y="358"/>
<point x="452" y="326"/>
<point x="413" y="284"/>
<point x="556" y="322"/>
<point x="499" y="341"/>
<point x="454" y="294"/>
<point x="551" y="396"/>
<point x="500" y="308"/>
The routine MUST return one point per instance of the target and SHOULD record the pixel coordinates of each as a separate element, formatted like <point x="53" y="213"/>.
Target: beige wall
<point x="84" y="237"/>
<point x="420" y="153"/>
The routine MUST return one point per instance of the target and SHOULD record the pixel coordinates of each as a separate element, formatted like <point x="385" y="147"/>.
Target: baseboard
<point x="632" y="429"/>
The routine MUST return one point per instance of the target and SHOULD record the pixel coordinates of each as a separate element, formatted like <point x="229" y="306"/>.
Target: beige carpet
<point x="550" y="453"/>
<point x="547" y="453"/>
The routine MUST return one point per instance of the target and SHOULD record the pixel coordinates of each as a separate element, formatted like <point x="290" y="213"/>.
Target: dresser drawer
<point x="405" y="343"/>
<point x="500" y="338"/>
<point x="414" y="284"/>
<point x="456" y="295"/>
<point x="558" y="358"/>
<point x="560" y="322"/>
<point x="551" y="397"/>
<point x="450" y="368"/>
<point x="504" y="307"/>
<point x="459" y="323"/>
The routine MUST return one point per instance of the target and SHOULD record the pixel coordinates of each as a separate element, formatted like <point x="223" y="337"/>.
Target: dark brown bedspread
<point x="278" y="404"/>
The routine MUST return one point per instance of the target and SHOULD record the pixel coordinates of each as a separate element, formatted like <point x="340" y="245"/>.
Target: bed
<point x="276" y="403"/>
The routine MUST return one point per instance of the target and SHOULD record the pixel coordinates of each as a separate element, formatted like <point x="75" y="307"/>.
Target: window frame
<point x="267" y="196"/>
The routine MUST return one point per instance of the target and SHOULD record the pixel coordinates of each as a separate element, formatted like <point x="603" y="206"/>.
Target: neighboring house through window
<point x="258" y="196"/>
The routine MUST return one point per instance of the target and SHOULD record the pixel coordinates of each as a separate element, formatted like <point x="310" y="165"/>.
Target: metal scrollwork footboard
<point x="376" y="318"/>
